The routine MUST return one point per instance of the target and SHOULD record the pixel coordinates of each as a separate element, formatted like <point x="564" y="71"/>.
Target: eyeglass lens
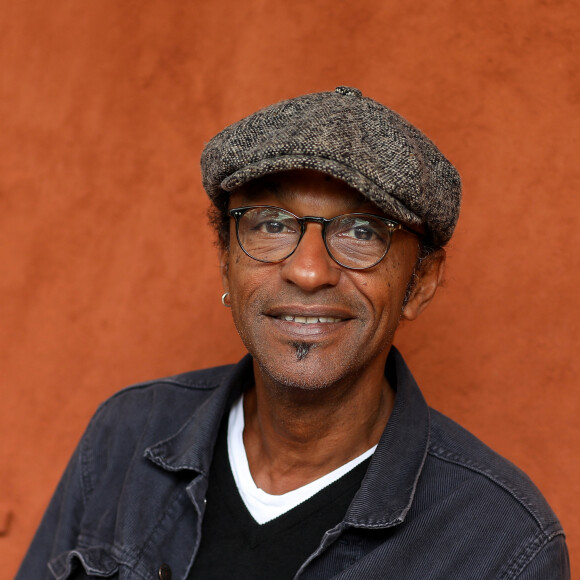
<point x="270" y="234"/>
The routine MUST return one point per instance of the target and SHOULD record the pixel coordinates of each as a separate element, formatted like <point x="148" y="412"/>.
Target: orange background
<point x="109" y="275"/>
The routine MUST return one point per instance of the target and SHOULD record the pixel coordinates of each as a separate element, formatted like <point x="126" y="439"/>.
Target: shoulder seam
<point x="529" y="552"/>
<point x="476" y="467"/>
<point x="200" y="385"/>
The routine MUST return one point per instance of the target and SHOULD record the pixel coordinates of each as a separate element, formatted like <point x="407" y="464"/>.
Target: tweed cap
<point x="350" y="137"/>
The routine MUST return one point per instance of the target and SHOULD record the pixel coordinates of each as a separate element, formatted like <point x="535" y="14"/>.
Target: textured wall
<point x="108" y="272"/>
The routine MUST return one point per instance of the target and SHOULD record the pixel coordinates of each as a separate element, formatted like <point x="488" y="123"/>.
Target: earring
<point x="225" y="296"/>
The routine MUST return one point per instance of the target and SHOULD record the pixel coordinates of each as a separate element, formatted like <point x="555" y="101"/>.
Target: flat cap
<point x="350" y="137"/>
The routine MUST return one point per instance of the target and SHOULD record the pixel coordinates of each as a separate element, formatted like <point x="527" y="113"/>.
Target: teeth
<point x="309" y="319"/>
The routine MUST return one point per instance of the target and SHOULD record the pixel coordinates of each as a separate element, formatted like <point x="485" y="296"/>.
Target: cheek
<point x="246" y="278"/>
<point x="386" y="291"/>
<point x="402" y="266"/>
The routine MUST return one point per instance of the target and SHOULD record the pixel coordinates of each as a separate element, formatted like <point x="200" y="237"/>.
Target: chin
<point x="302" y="382"/>
<point x="303" y="368"/>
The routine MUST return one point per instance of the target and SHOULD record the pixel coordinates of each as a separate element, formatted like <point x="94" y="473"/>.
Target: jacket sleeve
<point x="549" y="563"/>
<point x="59" y="528"/>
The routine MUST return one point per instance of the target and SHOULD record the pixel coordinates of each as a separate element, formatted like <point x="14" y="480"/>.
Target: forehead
<point x="304" y="191"/>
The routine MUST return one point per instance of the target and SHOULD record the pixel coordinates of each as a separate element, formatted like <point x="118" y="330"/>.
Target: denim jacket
<point x="435" y="503"/>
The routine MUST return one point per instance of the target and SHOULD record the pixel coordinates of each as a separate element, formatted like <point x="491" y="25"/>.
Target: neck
<point x="293" y="436"/>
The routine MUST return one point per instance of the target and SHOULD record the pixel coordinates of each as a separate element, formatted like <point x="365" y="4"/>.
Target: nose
<point x="310" y="267"/>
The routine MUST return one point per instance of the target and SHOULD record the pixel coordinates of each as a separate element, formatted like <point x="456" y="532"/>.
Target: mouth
<point x="300" y="322"/>
<point x="309" y="319"/>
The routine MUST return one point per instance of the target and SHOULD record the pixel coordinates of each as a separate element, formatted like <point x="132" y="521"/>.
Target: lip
<point x="309" y="311"/>
<point x="316" y="319"/>
<point x="305" y="321"/>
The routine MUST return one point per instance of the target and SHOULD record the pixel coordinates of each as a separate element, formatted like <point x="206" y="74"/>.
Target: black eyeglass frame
<point x="392" y="226"/>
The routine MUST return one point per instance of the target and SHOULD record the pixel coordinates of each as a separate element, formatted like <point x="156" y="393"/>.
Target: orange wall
<point x="108" y="272"/>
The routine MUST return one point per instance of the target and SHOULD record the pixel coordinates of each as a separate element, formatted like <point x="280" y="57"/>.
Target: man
<point x="315" y="456"/>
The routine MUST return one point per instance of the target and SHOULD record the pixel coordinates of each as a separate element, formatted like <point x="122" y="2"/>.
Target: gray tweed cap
<point x="347" y="136"/>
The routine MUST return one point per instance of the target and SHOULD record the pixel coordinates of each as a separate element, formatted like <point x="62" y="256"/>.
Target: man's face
<point x="309" y="322"/>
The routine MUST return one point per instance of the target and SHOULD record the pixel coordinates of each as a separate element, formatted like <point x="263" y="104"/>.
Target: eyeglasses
<point x="355" y="240"/>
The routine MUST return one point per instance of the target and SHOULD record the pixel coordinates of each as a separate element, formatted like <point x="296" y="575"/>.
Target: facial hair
<point x="302" y="349"/>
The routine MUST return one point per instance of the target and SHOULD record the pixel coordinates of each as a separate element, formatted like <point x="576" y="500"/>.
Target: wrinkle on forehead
<point x="289" y="187"/>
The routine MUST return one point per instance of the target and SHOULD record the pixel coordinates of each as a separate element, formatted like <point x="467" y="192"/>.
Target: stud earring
<point x="225" y="296"/>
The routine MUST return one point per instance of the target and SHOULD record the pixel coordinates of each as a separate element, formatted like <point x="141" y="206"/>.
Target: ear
<point x="428" y="276"/>
<point x="224" y="258"/>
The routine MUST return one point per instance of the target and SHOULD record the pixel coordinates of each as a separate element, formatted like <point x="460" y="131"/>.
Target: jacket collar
<point x="191" y="448"/>
<point x="388" y="488"/>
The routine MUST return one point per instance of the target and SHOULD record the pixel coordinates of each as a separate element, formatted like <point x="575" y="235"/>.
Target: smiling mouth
<point x="309" y="319"/>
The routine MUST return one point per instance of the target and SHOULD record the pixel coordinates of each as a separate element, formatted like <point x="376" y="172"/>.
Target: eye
<point x="272" y="227"/>
<point x="362" y="233"/>
<point x="359" y="229"/>
<point x="267" y="221"/>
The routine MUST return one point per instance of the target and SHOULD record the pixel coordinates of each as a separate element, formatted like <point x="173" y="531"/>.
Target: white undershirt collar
<point x="264" y="506"/>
